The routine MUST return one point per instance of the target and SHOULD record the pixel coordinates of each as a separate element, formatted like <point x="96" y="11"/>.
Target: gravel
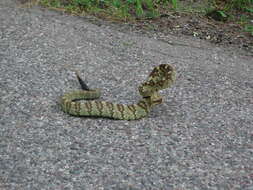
<point x="201" y="137"/>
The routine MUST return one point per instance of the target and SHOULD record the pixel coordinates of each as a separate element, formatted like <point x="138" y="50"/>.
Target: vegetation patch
<point x="128" y="10"/>
<point x="149" y="8"/>
<point x="123" y="10"/>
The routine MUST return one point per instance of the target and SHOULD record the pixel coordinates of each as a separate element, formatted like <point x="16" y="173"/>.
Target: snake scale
<point x="160" y="78"/>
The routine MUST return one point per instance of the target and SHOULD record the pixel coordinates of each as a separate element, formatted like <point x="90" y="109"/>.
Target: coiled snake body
<point x="160" y="78"/>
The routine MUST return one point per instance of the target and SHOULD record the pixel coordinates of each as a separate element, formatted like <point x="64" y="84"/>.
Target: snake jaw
<point x="156" y="98"/>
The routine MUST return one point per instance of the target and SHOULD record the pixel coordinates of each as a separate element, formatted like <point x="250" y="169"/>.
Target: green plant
<point x="218" y="15"/>
<point x="250" y="10"/>
<point x="222" y="14"/>
<point x="139" y="10"/>
<point x="174" y="4"/>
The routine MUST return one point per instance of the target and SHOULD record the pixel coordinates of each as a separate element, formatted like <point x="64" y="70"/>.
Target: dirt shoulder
<point x="219" y="33"/>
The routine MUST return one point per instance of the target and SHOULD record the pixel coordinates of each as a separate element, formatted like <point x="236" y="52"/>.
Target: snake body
<point x="160" y="78"/>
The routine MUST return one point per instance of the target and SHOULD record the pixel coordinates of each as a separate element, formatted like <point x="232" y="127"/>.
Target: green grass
<point x="145" y="8"/>
<point x="174" y="4"/>
<point x="118" y="9"/>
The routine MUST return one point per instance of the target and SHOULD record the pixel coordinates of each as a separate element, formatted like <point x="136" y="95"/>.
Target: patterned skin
<point x="160" y="78"/>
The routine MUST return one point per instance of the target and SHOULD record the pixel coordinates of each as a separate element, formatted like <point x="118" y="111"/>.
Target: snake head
<point x="160" y="78"/>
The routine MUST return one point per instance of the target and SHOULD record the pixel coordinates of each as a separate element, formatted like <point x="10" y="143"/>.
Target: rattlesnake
<point x="160" y="78"/>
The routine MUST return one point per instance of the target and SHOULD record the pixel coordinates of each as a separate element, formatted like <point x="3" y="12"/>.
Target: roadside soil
<point x="220" y="33"/>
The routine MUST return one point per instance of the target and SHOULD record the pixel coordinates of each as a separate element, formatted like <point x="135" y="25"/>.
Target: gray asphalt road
<point x="201" y="137"/>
